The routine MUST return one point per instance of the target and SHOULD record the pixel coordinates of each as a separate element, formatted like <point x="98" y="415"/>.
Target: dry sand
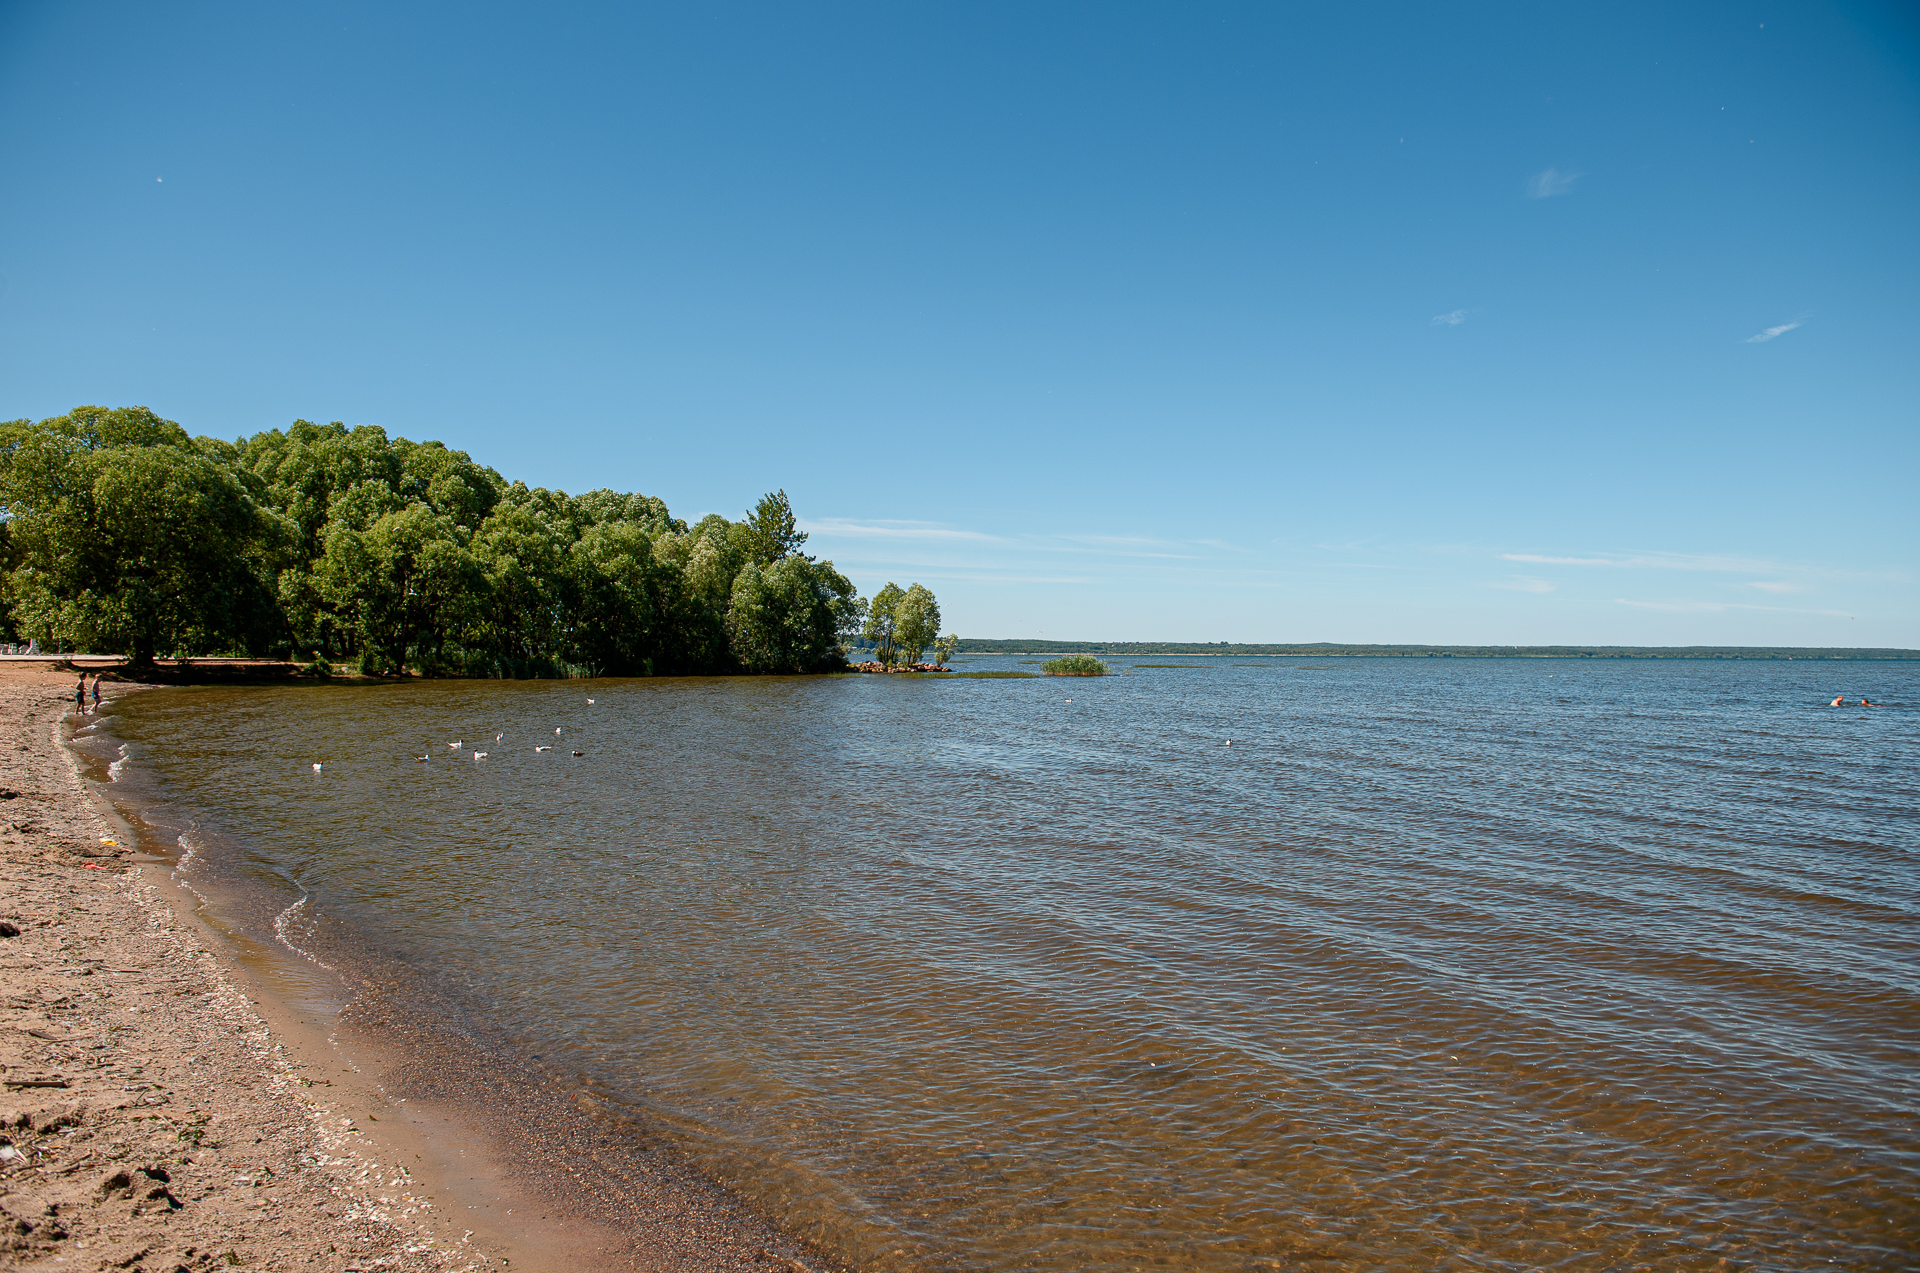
<point x="163" y="1110"/>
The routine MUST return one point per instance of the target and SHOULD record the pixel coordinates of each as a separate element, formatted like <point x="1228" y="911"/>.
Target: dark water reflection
<point x="1440" y="964"/>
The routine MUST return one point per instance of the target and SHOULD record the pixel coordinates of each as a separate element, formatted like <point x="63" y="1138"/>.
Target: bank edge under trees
<point x="121" y="533"/>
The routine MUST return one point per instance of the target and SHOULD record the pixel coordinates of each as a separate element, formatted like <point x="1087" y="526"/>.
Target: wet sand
<point x="167" y="1105"/>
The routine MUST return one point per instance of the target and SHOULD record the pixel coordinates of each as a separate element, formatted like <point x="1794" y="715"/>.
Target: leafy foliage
<point x="916" y="622"/>
<point x="771" y="533"/>
<point x="883" y="623"/>
<point x="119" y="532"/>
<point x="902" y="623"/>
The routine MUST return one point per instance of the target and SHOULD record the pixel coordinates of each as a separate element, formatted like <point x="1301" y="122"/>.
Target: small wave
<point x="285" y="920"/>
<point x="190" y="849"/>
<point x="119" y="766"/>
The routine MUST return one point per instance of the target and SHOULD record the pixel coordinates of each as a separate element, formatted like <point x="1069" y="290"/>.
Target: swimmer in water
<point x="1865" y="703"/>
<point x="1837" y="701"/>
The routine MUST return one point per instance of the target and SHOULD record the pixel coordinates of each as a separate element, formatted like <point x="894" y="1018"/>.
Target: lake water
<point x="1442" y="964"/>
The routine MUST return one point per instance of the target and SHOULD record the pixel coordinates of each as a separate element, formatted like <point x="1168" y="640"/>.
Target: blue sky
<point x="1211" y="322"/>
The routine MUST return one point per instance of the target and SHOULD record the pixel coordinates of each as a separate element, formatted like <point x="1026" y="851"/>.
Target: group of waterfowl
<point x="460" y="743"/>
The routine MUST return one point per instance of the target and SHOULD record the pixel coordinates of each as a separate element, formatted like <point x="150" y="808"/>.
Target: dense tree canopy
<point x="119" y="532"/>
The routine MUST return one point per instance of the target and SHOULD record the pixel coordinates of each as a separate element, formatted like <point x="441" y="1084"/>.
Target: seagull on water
<point x="579" y="753"/>
<point x="316" y="766"/>
<point x="589" y="702"/>
<point x="498" y="737"/>
<point x="479" y="755"/>
<point x="556" y="730"/>
<point x="543" y="749"/>
<point x="458" y="745"/>
<point x="426" y="757"/>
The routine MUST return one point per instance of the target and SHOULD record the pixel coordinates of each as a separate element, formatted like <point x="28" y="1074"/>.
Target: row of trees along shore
<point x="120" y="533"/>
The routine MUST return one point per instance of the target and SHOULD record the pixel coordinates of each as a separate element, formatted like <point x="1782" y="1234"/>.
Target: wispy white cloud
<point x="968" y="576"/>
<point x="1549" y="182"/>
<point x="835" y="527"/>
<point x="1714" y="607"/>
<point x="1123" y="546"/>
<point x="1769" y="585"/>
<point x="1114" y="539"/>
<point x="1524" y="583"/>
<point x="1771" y="332"/>
<point x="1539" y="560"/>
<point x="1114" y="552"/>
<point x="1656" y="561"/>
<point x="1452" y="318"/>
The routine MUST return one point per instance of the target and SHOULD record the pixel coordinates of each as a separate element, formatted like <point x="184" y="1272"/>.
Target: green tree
<point x="788" y="616"/>
<point x="523" y="547"/>
<point x="128" y="538"/>
<point x="883" y="624"/>
<point x="406" y="584"/>
<point x="117" y="529"/>
<point x="916" y="623"/>
<point x="771" y="532"/>
<point x="943" y="648"/>
<point x="614" y="604"/>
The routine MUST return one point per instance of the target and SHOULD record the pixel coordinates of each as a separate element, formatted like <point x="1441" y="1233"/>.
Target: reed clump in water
<point x="1075" y="665"/>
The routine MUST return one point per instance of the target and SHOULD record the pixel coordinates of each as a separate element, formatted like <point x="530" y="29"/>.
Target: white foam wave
<point x="119" y="766"/>
<point x="285" y="921"/>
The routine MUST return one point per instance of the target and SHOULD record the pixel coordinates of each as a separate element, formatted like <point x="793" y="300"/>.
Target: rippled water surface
<point x="1441" y="964"/>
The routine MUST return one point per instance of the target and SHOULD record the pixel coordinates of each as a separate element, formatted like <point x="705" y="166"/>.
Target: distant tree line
<point x="120" y="533"/>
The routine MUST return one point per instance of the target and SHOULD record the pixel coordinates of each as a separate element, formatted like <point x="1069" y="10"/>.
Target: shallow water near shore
<point x="1440" y="964"/>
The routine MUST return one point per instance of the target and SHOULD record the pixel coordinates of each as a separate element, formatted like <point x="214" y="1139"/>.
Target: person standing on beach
<point x="96" y="693"/>
<point x="80" y="694"/>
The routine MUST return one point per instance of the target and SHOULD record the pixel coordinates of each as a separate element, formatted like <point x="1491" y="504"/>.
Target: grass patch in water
<point x="1075" y="665"/>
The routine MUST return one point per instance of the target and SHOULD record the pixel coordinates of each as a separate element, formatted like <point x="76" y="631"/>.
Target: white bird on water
<point x="556" y="731"/>
<point x="543" y="749"/>
<point x="498" y="737"/>
<point x="589" y="702"/>
<point x="458" y="745"/>
<point x="479" y="755"/>
<point x="316" y="766"/>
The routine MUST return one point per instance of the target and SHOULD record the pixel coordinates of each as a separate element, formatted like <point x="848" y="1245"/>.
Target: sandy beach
<point x="163" y="1110"/>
